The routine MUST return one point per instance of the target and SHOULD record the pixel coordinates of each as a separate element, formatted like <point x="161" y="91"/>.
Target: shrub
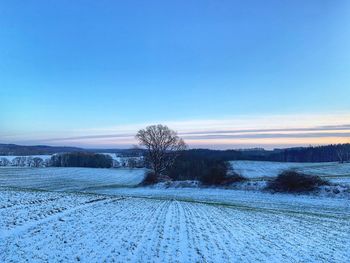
<point x="214" y="173"/>
<point x="234" y="178"/>
<point x="291" y="181"/>
<point x="150" y="178"/>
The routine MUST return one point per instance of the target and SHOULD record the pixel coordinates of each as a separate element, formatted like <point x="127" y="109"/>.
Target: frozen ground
<point x="69" y="179"/>
<point x="178" y="226"/>
<point x="97" y="215"/>
<point x="259" y="170"/>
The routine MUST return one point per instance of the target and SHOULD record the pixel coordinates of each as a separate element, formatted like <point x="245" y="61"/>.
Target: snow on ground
<point x="341" y="181"/>
<point x="328" y="169"/>
<point x="240" y="198"/>
<point x="89" y="215"/>
<point x="71" y="227"/>
<point x="69" y="179"/>
<point x="261" y="170"/>
<point x="257" y="169"/>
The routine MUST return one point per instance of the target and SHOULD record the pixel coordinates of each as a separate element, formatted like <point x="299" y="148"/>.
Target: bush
<point x="150" y="178"/>
<point x="214" y="172"/>
<point x="291" y="181"/>
<point x="81" y="159"/>
<point x="233" y="178"/>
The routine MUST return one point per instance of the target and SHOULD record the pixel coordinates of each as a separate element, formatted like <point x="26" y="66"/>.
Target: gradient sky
<point x="225" y="74"/>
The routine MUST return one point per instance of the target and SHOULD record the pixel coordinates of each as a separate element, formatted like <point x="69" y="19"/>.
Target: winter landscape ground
<point x="55" y="215"/>
<point x="69" y="179"/>
<point x="259" y="172"/>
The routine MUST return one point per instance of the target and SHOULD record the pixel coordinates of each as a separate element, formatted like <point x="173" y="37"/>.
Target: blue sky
<point x="81" y="69"/>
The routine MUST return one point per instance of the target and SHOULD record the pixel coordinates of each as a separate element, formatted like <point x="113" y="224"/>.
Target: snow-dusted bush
<point x="150" y="179"/>
<point x="292" y="181"/>
<point x="232" y="178"/>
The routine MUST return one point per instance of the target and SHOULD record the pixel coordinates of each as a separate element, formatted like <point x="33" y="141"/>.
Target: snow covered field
<point x="97" y="215"/>
<point x="258" y="170"/>
<point x="69" y="179"/>
<point x="71" y="227"/>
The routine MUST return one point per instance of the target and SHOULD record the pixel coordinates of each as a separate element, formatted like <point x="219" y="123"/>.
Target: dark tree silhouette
<point x="163" y="146"/>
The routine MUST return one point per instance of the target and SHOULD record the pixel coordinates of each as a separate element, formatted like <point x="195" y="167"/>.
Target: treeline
<point x="21" y="150"/>
<point x="25" y="161"/>
<point x="328" y="153"/>
<point x="82" y="159"/>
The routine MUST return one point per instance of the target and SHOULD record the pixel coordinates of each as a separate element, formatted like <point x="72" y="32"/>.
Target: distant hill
<point x="14" y="149"/>
<point x="21" y="150"/>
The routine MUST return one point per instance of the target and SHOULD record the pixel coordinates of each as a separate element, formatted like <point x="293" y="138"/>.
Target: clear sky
<point x="225" y="74"/>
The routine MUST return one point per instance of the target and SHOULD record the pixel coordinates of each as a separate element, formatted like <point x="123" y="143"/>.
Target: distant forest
<point x="80" y="159"/>
<point x="328" y="153"/>
<point x="22" y="150"/>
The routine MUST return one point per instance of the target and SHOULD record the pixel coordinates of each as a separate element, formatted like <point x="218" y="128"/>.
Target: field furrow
<point x="96" y="228"/>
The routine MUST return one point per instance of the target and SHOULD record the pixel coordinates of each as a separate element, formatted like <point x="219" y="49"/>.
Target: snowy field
<point x="71" y="227"/>
<point x="261" y="170"/>
<point x="98" y="215"/>
<point x="69" y="179"/>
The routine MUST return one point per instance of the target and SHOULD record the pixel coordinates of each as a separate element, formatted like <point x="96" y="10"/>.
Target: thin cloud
<point x="267" y="135"/>
<point x="319" y="128"/>
<point x="326" y="131"/>
<point x="105" y="136"/>
<point x="275" y="131"/>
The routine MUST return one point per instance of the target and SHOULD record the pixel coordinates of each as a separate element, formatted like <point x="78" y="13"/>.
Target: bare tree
<point x="162" y="145"/>
<point x="340" y="153"/>
<point x="37" y="162"/>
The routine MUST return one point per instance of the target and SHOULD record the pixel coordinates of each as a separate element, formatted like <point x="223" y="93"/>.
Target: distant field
<point x="69" y="179"/>
<point x="261" y="169"/>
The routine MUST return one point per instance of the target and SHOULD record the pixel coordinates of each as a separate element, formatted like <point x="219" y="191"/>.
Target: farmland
<point x="99" y="215"/>
<point x="69" y="179"/>
<point x="260" y="170"/>
<point x="70" y="227"/>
